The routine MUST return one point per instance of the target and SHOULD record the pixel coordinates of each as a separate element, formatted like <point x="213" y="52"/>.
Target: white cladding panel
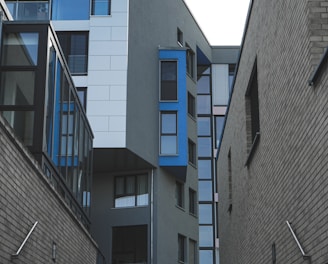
<point x="220" y="84"/>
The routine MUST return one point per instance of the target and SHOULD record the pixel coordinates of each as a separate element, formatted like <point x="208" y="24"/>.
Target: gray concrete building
<point x="272" y="162"/>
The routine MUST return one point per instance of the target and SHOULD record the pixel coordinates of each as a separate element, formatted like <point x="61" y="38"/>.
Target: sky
<point x="222" y="21"/>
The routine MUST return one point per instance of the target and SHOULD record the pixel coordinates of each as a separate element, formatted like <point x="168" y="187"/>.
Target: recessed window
<point x="168" y="141"/>
<point x="192" y="202"/>
<point x="190" y="61"/>
<point x="219" y="122"/>
<point x="179" y="194"/>
<point x="180" y="37"/>
<point x="100" y="7"/>
<point x="181" y="248"/>
<point x="191" y="105"/>
<point x="82" y="94"/>
<point x="192" y="251"/>
<point x="205" y="191"/>
<point x="204" y="169"/>
<point x="75" y="48"/>
<point x="169" y="83"/>
<point x="204" y="126"/>
<point x="191" y="152"/>
<point x="131" y="190"/>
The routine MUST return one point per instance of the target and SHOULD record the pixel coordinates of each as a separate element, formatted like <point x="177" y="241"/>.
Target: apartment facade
<point x="272" y="159"/>
<point x="146" y="78"/>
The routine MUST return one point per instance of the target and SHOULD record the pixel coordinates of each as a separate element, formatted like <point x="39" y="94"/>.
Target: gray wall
<point x="286" y="178"/>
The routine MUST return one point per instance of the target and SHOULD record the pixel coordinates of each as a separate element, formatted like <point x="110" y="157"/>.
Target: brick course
<point x="287" y="176"/>
<point x="26" y="196"/>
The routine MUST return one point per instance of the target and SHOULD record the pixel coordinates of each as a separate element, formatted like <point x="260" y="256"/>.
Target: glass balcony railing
<point x="29" y="10"/>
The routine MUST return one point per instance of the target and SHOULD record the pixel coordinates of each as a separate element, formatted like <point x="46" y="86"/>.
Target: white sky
<point x="222" y="21"/>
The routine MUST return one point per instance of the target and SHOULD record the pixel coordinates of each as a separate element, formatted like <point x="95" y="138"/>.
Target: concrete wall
<point x="26" y="196"/>
<point x="286" y="178"/>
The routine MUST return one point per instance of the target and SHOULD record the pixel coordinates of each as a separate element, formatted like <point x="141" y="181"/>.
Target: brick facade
<point x="286" y="179"/>
<point x="26" y="196"/>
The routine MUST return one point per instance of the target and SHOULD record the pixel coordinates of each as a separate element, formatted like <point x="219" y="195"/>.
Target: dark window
<point x="192" y="202"/>
<point x="181" y="248"/>
<point x="190" y="61"/>
<point x="179" y="194"/>
<point x="131" y="190"/>
<point x="192" y="152"/>
<point x="219" y="122"/>
<point x="129" y="244"/>
<point x="192" y="252"/>
<point x="169" y="84"/>
<point x="101" y="7"/>
<point x="82" y="94"/>
<point x="180" y="37"/>
<point x="191" y="105"/>
<point x="75" y="47"/>
<point x="70" y="10"/>
<point x="168" y="144"/>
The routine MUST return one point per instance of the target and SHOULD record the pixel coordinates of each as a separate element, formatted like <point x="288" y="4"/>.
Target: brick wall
<point x="27" y="197"/>
<point x="287" y="176"/>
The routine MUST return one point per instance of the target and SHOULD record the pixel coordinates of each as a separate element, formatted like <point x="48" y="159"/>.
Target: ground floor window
<point x="129" y="245"/>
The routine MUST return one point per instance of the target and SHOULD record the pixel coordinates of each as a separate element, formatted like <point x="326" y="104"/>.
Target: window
<point x="206" y="256"/>
<point x="205" y="190"/>
<point x="169" y="84"/>
<point x="204" y="104"/>
<point x="190" y="61"/>
<point x="181" y="248"/>
<point x="129" y="244"/>
<point x="179" y="194"/>
<point x="101" y="7"/>
<point x="205" y="214"/>
<point x="192" y="152"/>
<point x="75" y="48"/>
<point x="206" y="236"/>
<point x="192" y="202"/>
<point x="67" y="10"/>
<point x="29" y="10"/>
<point x="191" y="105"/>
<point x="219" y="122"/>
<point x="204" y="169"/>
<point x="204" y="147"/>
<point x="131" y="190"/>
<point x="82" y="94"/>
<point x="180" y="37"/>
<point x="192" y="252"/>
<point x="168" y="141"/>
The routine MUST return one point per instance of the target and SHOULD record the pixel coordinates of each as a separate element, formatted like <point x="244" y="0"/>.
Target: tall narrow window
<point x="180" y="37"/>
<point x="191" y="152"/>
<point x="169" y="83"/>
<point x="179" y="194"/>
<point x="168" y="141"/>
<point x="181" y="248"/>
<point x="191" y="105"/>
<point x="192" y="252"/>
<point x="192" y="202"/>
<point x="101" y="7"/>
<point x="190" y="61"/>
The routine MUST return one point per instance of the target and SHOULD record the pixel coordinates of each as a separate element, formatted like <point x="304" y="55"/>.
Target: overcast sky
<point x="222" y="21"/>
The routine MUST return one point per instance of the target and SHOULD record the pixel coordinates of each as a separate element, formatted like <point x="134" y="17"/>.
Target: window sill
<point x="179" y="207"/>
<point x="193" y="215"/>
<point x="253" y="147"/>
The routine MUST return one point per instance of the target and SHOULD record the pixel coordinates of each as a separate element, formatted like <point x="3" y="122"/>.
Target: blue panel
<point x="70" y="9"/>
<point x="180" y="106"/>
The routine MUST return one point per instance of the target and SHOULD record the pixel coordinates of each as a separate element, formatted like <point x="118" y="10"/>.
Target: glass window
<point x="204" y="126"/>
<point x="205" y="256"/>
<point x="203" y="85"/>
<point x="181" y="248"/>
<point x="204" y="104"/>
<point x="192" y="252"/>
<point x="179" y="194"/>
<point x="192" y="202"/>
<point x="204" y="169"/>
<point x="75" y="48"/>
<point x="206" y="236"/>
<point x="20" y="49"/>
<point x="169" y="87"/>
<point x="191" y="152"/>
<point x="191" y="105"/>
<point x="70" y="10"/>
<point x="205" y="214"/>
<point x="82" y="94"/>
<point x="190" y="61"/>
<point x="219" y="122"/>
<point x="29" y="10"/>
<point x="204" y="147"/>
<point x="131" y="190"/>
<point x="180" y="37"/>
<point x="23" y="124"/>
<point x="17" y="88"/>
<point x="129" y="244"/>
<point x="101" y="7"/>
<point x="205" y="191"/>
<point x="168" y="144"/>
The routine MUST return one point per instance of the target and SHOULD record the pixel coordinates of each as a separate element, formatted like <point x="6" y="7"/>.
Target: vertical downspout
<point x="152" y="217"/>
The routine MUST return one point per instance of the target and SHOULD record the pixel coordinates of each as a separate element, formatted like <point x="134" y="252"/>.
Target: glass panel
<point x="204" y="169"/>
<point x="203" y="85"/>
<point x="219" y="122"/>
<point x="130" y="184"/>
<point x="70" y="10"/>
<point x="101" y="7"/>
<point x="142" y="189"/>
<point x="119" y="185"/>
<point x="126" y="201"/>
<point x="169" y="123"/>
<point x="205" y="236"/>
<point x="192" y="252"/>
<point x="204" y="147"/>
<point x="169" y="80"/>
<point x="205" y="214"/>
<point x="205" y="256"/>
<point x="20" y="49"/>
<point x="203" y="104"/>
<point x="23" y="124"/>
<point x="204" y="126"/>
<point x="168" y="145"/>
<point x="205" y="190"/>
<point x="17" y="88"/>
